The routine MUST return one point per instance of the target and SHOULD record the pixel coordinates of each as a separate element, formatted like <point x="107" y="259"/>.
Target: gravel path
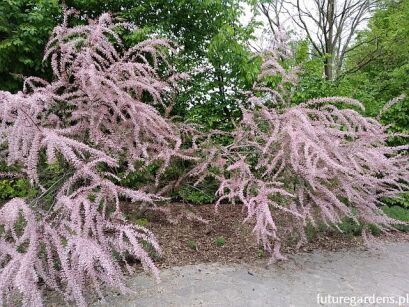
<point x="297" y="282"/>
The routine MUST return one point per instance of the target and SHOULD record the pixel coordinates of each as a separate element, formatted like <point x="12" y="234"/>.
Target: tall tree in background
<point x="273" y="11"/>
<point x="379" y="62"/>
<point x="329" y="25"/>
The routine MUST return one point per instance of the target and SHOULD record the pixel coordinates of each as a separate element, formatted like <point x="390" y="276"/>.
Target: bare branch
<point x="329" y="25"/>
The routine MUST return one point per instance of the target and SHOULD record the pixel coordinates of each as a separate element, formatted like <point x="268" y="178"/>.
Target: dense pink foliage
<point x="91" y="115"/>
<point x="287" y="165"/>
<point x="310" y="163"/>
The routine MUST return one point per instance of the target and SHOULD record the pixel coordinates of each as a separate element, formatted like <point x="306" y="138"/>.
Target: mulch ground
<point x="225" y="238"/>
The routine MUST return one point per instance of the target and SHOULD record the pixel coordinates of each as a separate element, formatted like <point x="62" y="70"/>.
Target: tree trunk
<point x="328" y="66"/>
<point x="329" y="43"/>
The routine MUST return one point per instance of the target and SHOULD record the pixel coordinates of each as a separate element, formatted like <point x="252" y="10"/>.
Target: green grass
<point x="400" y="214"/>
<point x="397" y="212"/>
<point x="197" y="195"/>
<point x="142" y="222"/>
<point x="260" y="252"/>
<point x="350" y="228"/>
<point x="220" y="241"/>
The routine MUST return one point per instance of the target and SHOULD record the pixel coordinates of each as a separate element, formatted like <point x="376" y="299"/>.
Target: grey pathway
<point x="382" y="272"/>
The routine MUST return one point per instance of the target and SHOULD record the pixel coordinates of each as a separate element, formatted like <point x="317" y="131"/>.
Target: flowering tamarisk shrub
<point x="99" y="108"/>
<point x="314" y="165"/>
<point x="310" y="163"/>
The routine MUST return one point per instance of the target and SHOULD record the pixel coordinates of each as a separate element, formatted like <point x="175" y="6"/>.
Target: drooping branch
<point x="99" y="113"/>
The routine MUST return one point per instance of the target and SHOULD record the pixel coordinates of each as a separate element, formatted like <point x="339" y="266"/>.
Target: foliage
<point x="378" y="67"/>
<point x="195" y="195"/>
<point x="211" y="40"/>
<point x="10" y="188"/>
<point x="260" y="252"/>
<point x="13" y="184"/>
<point x="220" y="241"/>
<point x="400" y="214"/>
<point x="203" y="193"/>
<point x="348" y="227"/>
<point x="397" y="213"/>
<point x="401" y="200"/>
<point x="25" y="26"/>
<point x="231" y="69"/>
<point x="142" y="222"/>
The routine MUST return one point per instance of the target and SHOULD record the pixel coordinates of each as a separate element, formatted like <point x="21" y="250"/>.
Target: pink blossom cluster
<point x="99" y="108"/>
<point x="293" y="165"/>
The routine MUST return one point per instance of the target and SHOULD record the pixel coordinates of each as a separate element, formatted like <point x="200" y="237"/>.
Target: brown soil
<point x="225" y="238"/>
